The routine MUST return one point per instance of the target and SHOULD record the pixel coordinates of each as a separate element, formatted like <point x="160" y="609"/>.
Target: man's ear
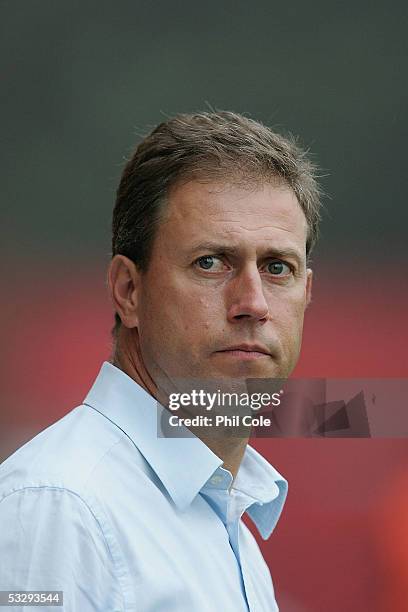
<point x="123" y="281"/>
<point x="308" y="290"/>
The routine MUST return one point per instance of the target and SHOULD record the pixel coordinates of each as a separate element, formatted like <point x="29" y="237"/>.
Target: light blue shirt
<point x="119" y="519"/>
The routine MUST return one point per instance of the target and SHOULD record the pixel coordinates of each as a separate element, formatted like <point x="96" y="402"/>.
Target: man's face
<point x="227" y="285"/>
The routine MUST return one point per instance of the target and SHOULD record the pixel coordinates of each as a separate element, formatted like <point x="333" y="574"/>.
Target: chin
<point x="252" y="370"/>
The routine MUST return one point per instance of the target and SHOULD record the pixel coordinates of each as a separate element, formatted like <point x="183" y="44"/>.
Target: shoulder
<point x="55" y="493"/>
<point x="63" y="456"/>
<point x="54" y="537"/>
<point x="53" y="525"/>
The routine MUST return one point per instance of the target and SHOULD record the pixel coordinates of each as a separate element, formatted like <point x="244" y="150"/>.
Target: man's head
<point x="215" y="218"/>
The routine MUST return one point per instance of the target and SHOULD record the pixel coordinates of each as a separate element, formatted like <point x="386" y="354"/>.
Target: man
<point x="214" y="220"/>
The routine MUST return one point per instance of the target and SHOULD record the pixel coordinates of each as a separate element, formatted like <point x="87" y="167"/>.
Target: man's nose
<point x="246" y="299"/>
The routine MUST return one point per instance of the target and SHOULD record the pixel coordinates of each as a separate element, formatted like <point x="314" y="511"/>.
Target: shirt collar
<point x="121" y="400"/>
<point x="258" y="479"/>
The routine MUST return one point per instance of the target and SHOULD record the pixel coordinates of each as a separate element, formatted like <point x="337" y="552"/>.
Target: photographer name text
<point x="220" y="421"/>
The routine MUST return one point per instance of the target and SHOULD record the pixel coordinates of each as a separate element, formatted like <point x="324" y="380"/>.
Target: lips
<point x="246" y="348"/>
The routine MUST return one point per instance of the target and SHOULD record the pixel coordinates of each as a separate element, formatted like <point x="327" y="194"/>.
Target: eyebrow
<point x="272" y="252"/>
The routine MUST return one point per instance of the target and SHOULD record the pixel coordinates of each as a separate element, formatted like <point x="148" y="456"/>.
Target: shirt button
<point x="216" y="479"/>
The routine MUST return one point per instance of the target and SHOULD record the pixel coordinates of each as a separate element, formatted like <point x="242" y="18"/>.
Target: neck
<point x="230" y="450"/>
<point x="128" y="358"/>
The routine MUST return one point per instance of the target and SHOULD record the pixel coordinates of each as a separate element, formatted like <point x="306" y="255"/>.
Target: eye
<point x="278" y="268"/>
<point x="210" y="262"/>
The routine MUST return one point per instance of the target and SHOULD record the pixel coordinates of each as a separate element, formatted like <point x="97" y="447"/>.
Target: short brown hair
<point x="207" y="145"/>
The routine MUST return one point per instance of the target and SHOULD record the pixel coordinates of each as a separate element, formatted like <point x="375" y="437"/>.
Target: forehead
<point x="241" y="216"/>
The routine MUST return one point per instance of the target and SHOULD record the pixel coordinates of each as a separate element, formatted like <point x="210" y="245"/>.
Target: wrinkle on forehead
<point x="216" y="193"/>
<point x="204" y="210"/>
<point x="232" y="230"/>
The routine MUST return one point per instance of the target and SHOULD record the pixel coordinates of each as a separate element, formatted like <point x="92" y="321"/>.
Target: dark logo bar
<point x="307" y="408"/>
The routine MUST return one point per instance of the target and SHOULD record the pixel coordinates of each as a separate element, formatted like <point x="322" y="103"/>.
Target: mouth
<point x="245" y="352"/>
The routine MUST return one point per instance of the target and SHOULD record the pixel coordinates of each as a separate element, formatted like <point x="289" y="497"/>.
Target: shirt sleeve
<point x="50" y="540"/>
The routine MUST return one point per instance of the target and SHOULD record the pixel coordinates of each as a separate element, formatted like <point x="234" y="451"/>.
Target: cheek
<point x="195" y="318"/>
<point x="178" y="316"/>
<point x="288" y="317"/>
<point x="289" y="304"/>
